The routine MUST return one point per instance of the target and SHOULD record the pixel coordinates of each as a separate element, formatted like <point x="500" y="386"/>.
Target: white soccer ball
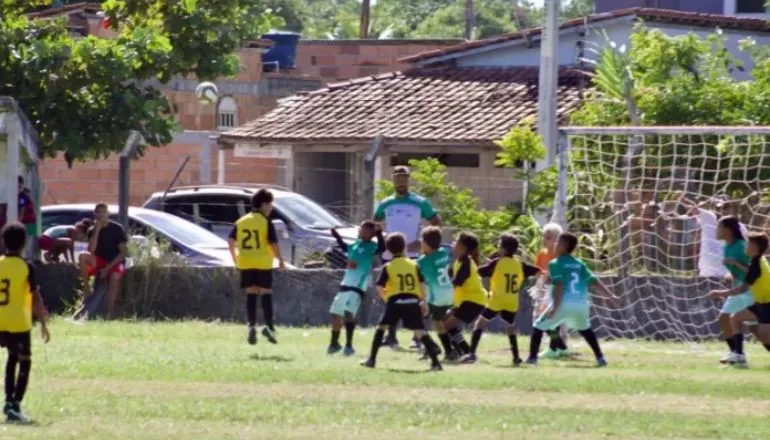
<point x="207" y="92"/>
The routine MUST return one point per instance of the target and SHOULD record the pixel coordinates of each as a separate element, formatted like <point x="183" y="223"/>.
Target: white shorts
<point x="575" y="315"/>
<point x="735" y="304"/>
<point x="346" y="301"/>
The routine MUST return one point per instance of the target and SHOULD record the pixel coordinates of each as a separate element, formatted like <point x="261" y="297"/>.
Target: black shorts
<point x="467" y="311"/>
<point x="437" y="313"/>
<point x="256" y="278"/>
<point x="404" y="308"/>
<point x="21" y="343"/>
<point x="505" y="315"/>
<point x="761" y="311"/>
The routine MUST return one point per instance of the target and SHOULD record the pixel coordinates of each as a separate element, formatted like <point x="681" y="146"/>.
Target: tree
<point x="576" y="9"/>
<point x="492" y="18"/>
<point x="85" y="95"/>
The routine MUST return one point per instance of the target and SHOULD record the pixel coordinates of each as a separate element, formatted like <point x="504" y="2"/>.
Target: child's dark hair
<point x="470" y="241"/>
<point x="370" y="225"/>
<point x="570" y="240"/>
<point x="260" y="198"/>
<point x="510" y="244"/>
<point x="395" y="243"/>
<point x="731" y="222"/>
<point x="432" y="237"/>
<point x="100" y="205"/>
<point x="14" y="237"/>
<point x="760" y="241"/>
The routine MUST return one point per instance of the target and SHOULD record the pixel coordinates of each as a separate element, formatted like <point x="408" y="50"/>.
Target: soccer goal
<point x="645" y="202"/>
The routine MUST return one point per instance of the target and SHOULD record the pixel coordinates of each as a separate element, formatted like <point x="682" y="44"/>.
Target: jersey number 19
<point x="406" y="282"/>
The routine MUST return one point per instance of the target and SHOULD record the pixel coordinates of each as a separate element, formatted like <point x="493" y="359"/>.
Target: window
<point x="750" y="6"/>
<point x="226" y="114"/>
<point x="449" y="160"/>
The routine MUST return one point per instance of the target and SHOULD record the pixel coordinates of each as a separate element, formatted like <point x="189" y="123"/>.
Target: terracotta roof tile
<point x="440" y="105"/>
<point x="647" y="14"/>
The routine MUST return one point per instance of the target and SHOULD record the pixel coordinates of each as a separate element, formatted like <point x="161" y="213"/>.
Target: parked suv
<point x="303" y="224"/>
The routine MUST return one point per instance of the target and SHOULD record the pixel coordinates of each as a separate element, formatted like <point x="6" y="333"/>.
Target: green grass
<point x="202" y="381"/>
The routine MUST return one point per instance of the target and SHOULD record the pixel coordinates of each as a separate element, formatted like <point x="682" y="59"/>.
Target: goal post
<point x="644" y="203"/>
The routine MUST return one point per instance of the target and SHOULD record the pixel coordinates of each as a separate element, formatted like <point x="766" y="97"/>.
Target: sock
<point x="514" y="345"/>
<point x="459" y="341"/>
<point x="731" y="344"/>
<point x="335" y="337"/>
<point x="534" y="343"/>
<point x="376" y="342"/>
<point x="10" y="376"/>
<point x="556" y="342"/>
<point x="738" y="338"/>
<point x="445" y="342"/>
<point x="767" y="346"/>
<point x="430" y="347"/>
<point x="590" y="338"/>
<point x="350" y="328"/>
<point x="392" y="334"/>
<point x="552" y="345"/>
<point x="22" y="380"/>
<point x="475" y="338"/>
<point x="251" y="309"/>
<point x="267" y="310"/>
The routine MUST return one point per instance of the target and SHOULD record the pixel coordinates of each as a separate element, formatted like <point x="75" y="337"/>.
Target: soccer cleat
<point x="252" y="336"/>
<point x="451" y="356"/>
<point x="469" y="358"/>
<point x="349" y="351"/>
<point x="333" y="348"/>
<point x="601" y="362"/>
<point x="517" y="362"/>
<point x="726" y="359"/>
<point x="368" y="363"/>
<point x="551" y="354"/>
<point x="532" y="361"/>
<point x="738" y="361"/>
<point x="13" y="413"/>
<point x="269" y="335"/>
<point x="415" y="345"/>
<point x="436" y="366"/>
<point x="562" y="354"/>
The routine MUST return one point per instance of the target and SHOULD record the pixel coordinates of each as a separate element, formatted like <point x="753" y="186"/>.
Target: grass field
<point x="202" y="381"/>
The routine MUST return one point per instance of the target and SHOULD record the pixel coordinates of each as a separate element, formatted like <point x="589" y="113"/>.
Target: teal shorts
<point x="735" y="304"/>
<point x="575" y="315"/>
<point x="346" y="301"/>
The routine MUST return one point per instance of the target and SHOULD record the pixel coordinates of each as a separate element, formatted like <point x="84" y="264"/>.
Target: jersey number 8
<point x="250" y="235"/>
<point x="5" y="292"/>
<point x="406" y="282"/>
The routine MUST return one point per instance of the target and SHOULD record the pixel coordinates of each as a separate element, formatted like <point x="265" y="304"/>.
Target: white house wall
<point x="518" y="54"/>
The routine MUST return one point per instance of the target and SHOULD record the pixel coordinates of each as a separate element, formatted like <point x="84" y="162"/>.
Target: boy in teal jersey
<point x="434" y="266"/>
<point x="361" y="255"/>
<point x="570" y="280"/>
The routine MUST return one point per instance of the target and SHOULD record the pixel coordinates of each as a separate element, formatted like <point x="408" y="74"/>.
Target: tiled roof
<point x="383" y="42"/>
<point x="88" y="7"/>
<point x="647" y="14"/>
<point x="446" y="106"/>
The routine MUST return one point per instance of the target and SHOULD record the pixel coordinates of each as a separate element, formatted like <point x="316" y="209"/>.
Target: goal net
<point x="645" y="204"/>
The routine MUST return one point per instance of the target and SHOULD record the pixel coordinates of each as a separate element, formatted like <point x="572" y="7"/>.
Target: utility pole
<point x="363" y="30"/>
<point x="549" y="74"/>
<point x="470" y="19"/>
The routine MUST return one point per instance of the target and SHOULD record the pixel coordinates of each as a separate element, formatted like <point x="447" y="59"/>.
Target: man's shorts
<point x="437" y="313"/>
<point x="20" y="343"/>
<point x="761" y="311"/>
<point x="346" y="301"/>
<point x="404" y="308"/>
<point x="506" y="315"/>
<point x="256" y="278"/>
<point x="467" y="311"/>
<point x="735" y="304"/>
<point x="575" y="315"/>
<point x="45" y="243"/>
<point x="119" y="269"/>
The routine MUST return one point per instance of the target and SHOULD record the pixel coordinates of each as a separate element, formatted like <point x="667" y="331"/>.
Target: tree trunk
<point x="363" y="30"/>
<point x="470" y="19"/>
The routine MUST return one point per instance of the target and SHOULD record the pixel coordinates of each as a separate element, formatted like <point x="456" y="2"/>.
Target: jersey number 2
<point x="406" y="282"/>
<point x="250" y="235"/>
<point x="5" y="292"/>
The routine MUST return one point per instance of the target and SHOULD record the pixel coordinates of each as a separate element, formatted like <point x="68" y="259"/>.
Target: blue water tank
<point x="284" y="50"/>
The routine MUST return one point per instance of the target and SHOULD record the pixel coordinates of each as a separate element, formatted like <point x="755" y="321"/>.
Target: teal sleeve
<point x="426" y="210"/>
<point x="587" y="275"/>
<point x="379" y="212"/>
<point x="554" y="272"/>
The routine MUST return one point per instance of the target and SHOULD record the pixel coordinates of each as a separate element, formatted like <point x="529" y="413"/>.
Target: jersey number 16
<point x="250" y="235"/>
<point x="511" y="283"/>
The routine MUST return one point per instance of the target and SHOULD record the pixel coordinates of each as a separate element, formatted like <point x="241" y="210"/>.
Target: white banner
<point x="262" y="152"/>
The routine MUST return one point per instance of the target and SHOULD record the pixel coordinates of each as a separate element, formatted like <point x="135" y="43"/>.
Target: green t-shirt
<point x="737" y="251"/>
<point x="574" y="275"/>
<point x="404" y="214"/>
<point x="435" y="268"/>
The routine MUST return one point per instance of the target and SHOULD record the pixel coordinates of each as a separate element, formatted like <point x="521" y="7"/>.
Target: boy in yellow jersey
<point x="253" y="244"/>
<point x="401" y="287"/>
<point x="469" y="295"/>
<point x="507" y="274"/>
<point x="757" y="316"/>
<point x="19" y="300"/>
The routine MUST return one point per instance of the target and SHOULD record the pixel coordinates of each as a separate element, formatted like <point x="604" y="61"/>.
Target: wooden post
<point x="470" y="19"/>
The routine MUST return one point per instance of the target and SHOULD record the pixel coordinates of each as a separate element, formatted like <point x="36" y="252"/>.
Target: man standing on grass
<point x="404" y="212"/>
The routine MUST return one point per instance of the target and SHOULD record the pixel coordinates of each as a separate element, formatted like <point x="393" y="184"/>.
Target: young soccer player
<point x="469" y="294"/>
<point x="434" y="266"/>
<point x="401" y="287"/>
<point x="758" y="314"/>
<point x="570" y="280"/>
<point x="557" y="348"/>
<point x="19" y="300"/>
<point x="361" y="255"/>
<point x="253" y="244"/>
<point x="737" y="263"/>
<point x="507" y="273"/>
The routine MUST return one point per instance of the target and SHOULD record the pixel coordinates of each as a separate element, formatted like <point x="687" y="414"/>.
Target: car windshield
<point x="307" y="213"/>
<point x="186" y="233"/>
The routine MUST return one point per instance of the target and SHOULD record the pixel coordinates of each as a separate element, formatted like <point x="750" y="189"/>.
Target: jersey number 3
<point x="5" y="292"/>
<point x="250" y="235"/>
